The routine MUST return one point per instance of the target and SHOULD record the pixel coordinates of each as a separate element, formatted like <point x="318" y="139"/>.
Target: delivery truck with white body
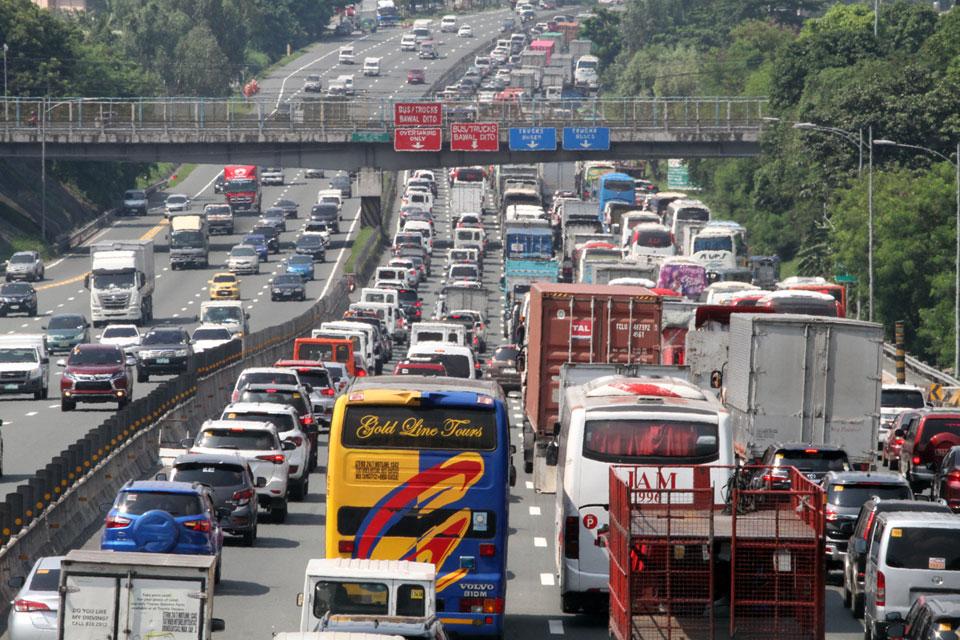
<point x="466" y="197"/>
<point x="121" y="281"/>
<point x="798" y="378"/>
<point x="109" y="594"/>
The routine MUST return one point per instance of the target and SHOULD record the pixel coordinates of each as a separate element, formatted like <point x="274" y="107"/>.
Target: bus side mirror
<point x="716" y="379"/>
<point x="217" y="624"/>
<point x="300" y="599"/>
<point x="86" y="281"/>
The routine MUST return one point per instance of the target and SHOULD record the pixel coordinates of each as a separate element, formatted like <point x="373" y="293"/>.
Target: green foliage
<point x="604" y="31"/>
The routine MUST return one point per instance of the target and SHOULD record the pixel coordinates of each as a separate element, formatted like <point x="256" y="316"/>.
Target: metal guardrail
<point x="923" y="369"/>
<point x="218" y="116"/>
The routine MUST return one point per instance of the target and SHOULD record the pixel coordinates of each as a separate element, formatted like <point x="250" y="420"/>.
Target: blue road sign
<point x="586" y="138"/>
<point x="533" y="139"/>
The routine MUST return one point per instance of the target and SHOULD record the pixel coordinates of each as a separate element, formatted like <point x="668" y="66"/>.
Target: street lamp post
<point x="956" y="264"/>
<point x="43" y="171"/>
<point x="857" y="140"/>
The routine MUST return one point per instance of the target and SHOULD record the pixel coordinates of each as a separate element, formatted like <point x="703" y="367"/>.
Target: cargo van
<point x="408" y="42"/>
<point x="371" y="66"/>
<point x="469" y="238"/>
<point x="388" y="313"/>
<point x="325" y="350"/>
<point x="370" y="332"/>
<point x="345" y="55"/>
<point x="25" y="365"/>
<point x="614" y="419"/>
<point x="458" y="361"/>
<point x="446" y="332"/>
<point x="371" y="294"/>
<point x="448" y="24"/>
<point x="362" y="343"/>
<point x="423" y="228"/>
<point x="909" y="555"/>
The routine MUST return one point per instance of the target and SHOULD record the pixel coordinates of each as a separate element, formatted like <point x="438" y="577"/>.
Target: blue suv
<point x="164" y="517"/>
<point x="259" y="243"/>
<point x="300" y="265"/>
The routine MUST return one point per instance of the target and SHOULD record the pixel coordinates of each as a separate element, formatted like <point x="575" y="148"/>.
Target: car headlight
<point x="118" y="374"/>
<point x="182" y="353"/>
<point x="68" y="376"/>
<point x="36" y="373"/>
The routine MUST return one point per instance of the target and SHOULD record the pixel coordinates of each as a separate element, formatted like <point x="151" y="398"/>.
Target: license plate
<point x="163" y="360"/>
<point x="509" y="370"/>
<point x="812" y="476"/>
<point x="11" y="387"/>
<point x="14" y="306"/>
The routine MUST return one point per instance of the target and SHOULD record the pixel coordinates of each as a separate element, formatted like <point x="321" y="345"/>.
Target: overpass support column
<point x="370" y="189"/>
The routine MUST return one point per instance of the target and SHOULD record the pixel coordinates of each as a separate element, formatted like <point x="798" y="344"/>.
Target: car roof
<point x="258" y="407"/>
<point x="879" y="505"/>
<point x="93" y="346"/>
<point x="901" y="518"/>
<point x="864" y="477"/>
<point x="251" y="425"/>
<point x="161" y="486"/>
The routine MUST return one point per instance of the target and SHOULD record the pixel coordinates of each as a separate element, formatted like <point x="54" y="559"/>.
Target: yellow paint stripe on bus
<point x="149" y="235"/>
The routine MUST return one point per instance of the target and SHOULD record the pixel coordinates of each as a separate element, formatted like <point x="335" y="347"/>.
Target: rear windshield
<point x="402" y="427"/>
<point x="316" y="378"/>
<point x="138" y="503"/>
<point x="239" y="439"/>
<point x="650" y="441"/>
<point x="214" y="475"/>
<point x="322" y="351"/>
<point x="456" y="366"/>
<point x="290" y="398"/>
<point x="283" y="422"/>
<point x="654" y="239"/>
<point x="470" y="175"/>
<point x="463" y="272"/>
<point x="813" y="460"/>
<point x="935" y="426"/>
<point x="352" y="598"/>
<point x="854" y="495"/>
<point x="911" y="398"/>
<point x="265" y="377"/>
<point x="924" y="548"/>
<point x="407" y="296"/>
<point x="45" y="580"/>
<point x="505" y="354"/>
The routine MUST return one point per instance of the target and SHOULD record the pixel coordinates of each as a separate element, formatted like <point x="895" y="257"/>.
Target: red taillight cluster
<point x="243" y="497"/>
<point x="361" y="373"/>
<point x="307" y="419"/>
<point x="202" y="526"/>
<point x="898" y="441"/>
<point x="26" y="606"/>
<point x="275" y="458"/>
<point x="481" y="605"/>
<point x="881" y="590"/>
<point x="954" y="475"/>
<point x="327" y="392"/>
<point x="916" y="459"/>
<point x="831" y="513"/>
<point x="345" y="546"/>
<point x="117" y="522"/>
<point x="487" y="550"/>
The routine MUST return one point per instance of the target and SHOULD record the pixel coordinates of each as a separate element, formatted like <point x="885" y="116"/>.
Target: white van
<point x="446" y="332"/>
<point x="585" y="74"/>
<point x="362" y="344"/>
<point x="25" y="363"/>
<point x="420" y="199"/>
<point x="371" y="294"/>
<point x="910" y="554"/>
<point x="371" y="66"/>
<point x="346" y="55"/>
<point x="448" y="24"/>
<point x="421" y="30"/>
<point x="469" y="238"/>
<point x="347" y="81"/>
<point x="457" y="360"/>
<point x="423" y="228"/>
<point x="599" y="429"/>
<point x="408" y="42"/>
<point x="388" y="314"/>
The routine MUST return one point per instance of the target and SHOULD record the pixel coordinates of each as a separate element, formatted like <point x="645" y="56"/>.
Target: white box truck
<point x="798" y="378"/>
<point x="121" y="281"/>
<point x="466" y="197"/>
<point x="109" y="594"/>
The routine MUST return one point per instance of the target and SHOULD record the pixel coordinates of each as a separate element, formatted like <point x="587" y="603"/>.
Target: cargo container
<point x="604" y="273"/>
<point x="535" y="57"/>
<point x="708" y="341"/>
<point x="553" y="77"/>
<point x="578" y="323"/>
<point x="570" y="31"/>
<point x="556" y="38"/>
<point x="564" y="62"/>
<point x="579" y="48"/>
<point x="526" y="78"/>
<point x="813" y="379"/>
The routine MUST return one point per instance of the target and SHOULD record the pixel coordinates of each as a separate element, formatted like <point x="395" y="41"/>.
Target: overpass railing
<point x="220" y="115"/>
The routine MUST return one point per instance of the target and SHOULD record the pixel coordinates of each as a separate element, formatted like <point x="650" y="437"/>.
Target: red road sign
<point x="417" y="139"/>
<point x="475" y="136"/>
<point x="417" y="114"/>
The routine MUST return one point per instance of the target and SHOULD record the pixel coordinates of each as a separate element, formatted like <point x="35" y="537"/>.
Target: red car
<point x="416" y="76"/>
<point x="925" y="444"/>
<point x="890" y="454"/>
<point x="946" y="482"/>
<point x="95" y="373"/>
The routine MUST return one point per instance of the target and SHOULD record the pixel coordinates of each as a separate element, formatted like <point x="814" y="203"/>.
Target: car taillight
<point x="916" y="459"/>
<point x="571" y="538"/>
<point x="481" y="605"/>
<point x="307" y="419"/>
<point x="831" y="513"/>
<point x="117" y="522"/>
<point x="275" y="458"/>
<point x="361" y="373"/>
<point x="203" y="526"/>
<point x="345" y="546"/>
<point x="25" y="606"/>
<point x="487" y="550"/>
<point x="881" y="590"/>
<point x="243" y="496"/>
<point x="327" y="392"/>
<point x="898" y="441"/>
<point x="418" y="304"/>
<point x="954" y="475"/>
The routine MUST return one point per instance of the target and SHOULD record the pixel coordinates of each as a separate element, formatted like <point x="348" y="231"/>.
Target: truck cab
<point x="228" y="313"/>
<point x="121" y="282"/>
<point x="338" y="589"/>
<point x="189" y="242"/>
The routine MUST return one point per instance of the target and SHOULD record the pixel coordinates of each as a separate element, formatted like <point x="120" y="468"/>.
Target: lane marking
<point x="546" y="579"/>
<point x="52" y="406"/>
<point x="31" y="413"/>
<point x="534" y="511"/>
<point x="529" y="484"/>
<point x="336" y="265"/>
<point x="556" y="626"/>
<point x="539" y="542"/>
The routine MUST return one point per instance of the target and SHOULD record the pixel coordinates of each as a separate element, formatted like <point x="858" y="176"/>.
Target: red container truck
<point x="241" y="187"/>
<point x="582" y="323"/>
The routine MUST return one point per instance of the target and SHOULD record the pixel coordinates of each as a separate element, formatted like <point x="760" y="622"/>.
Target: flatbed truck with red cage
<point x="684" y="567"/>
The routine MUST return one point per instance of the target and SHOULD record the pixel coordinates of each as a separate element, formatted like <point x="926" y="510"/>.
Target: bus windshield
<point x="401" y="427"/>
<point x="713" y="243"/>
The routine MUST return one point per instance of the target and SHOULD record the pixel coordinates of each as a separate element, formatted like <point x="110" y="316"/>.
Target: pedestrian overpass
<point x="352" y="132"/>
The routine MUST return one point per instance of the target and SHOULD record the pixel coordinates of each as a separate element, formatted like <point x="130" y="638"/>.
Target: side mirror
<point x="61" y="362"/>
<point x="187" y="443"/>
<point x="131" y="360"/>
<point x="162" y="477"/>
<point x="217" y="624"/>
<point x="16" y="582"/>
<point x="716" y="379"/>
<point x="286" y="445"/>
<point x="300" y="599"/>
<point x="261" y="482"/>
<point x="308" y="388"/>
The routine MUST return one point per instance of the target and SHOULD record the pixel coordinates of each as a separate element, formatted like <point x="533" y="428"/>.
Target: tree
<point x="604" y="31"/>
<point x="197" y="53"/>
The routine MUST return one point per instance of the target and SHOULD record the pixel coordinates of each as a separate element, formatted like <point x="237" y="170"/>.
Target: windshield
<point x="214" y="475"/>
<point x="113" y="280"/>
<point x="217" y="210"/>
<point x="505" y="354"/>
<point x="225" y="277"/>
<point x="912" y="398"/>
<point x="300" y="260"/>
<point x="924" y="548"/>
<point x="935" y="426"/>
<point x="243" y="252"/>
<point x="162" y="337"/>
<point x="247" y="440"/>
<point x="222" y="315"/>
<point x="22" y="258"/>
<point x="266" y="377"/>
<point x="638" y="441"/>
<point x="16" y="289"/>
<point x="854" y="495"/>
<point x="135" y="195"/>
<point x="234" y="186"/>
<point x="287" y="280"/>
<point x="713" y="243"/>
<point x="587" y="64"/>
<point x="457" y="366"/>
<point x="254" y="240"/>
<point x="138" y="503"/>
<point x="526" y="244"/>
<point x="103" y="357"/>
<point x="693" y="213"/>
<point x="120" y="332"/>
<point x="182" y="239"/>
<point x="67" y="322"/>
<point x="658" y="239"/>
<point x="24" y="355"/>
<point x="618" y="185"/>
<point x="463" y="272"/>
<point x="309" y="241"/>
<point x="212" y="334"/>
<point x="353" y="598"/>
<point x="813" y="460"/>
<point x="277" y="396"/>
<point x="430" y="427"/>
<point x="283" y="422"/>
<point x="316" y="378"/>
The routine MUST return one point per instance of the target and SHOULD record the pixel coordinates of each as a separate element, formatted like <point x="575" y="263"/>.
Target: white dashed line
<point x="31" y="413"/>
<point x="556" y="626"/>
<point x="25" y="325"/>
<point x="534" y="511"/>
<point x="176" y="315"/>
<point x="52" y="406"/>
<point x="528" y="484"/>
<point x="183" y="308"/>
<point x="539" y="542"/>
<point x="546" y="579"/>
<point x="60" y="305"/>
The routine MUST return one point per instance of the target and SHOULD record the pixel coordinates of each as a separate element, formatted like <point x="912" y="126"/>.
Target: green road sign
<point x="845" y="278"/>
<point x="370" y="136"/>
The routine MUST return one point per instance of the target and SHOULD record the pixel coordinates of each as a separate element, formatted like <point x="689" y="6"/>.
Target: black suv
<point x="164" y="350"/>
<point x="855" y="562"/>
<point x="18" y="297"/>
<point x="271" y="232"/>
<point x="812" y="460"/>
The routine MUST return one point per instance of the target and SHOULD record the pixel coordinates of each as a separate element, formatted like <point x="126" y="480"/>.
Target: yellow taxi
<point x="224" y="286"/>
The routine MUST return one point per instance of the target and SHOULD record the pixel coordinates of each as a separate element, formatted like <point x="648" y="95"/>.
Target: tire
<point x="249" y="538"/>
<point x="38" y="395"/>
<point x="33" y="312"/>
<point x="847" y="601"/>
<point x="45" y="393"/>
<point x="67" y="405"/>
<point x="217" y="572"/>
<point x="858" y="606"/>
<point x="528" y="466"/>
<point x="279" y="514"/>
<point x="122" y="403"/>
<point x="274" y="299"/>
<point x="299" y="489"/>
<point x="569" y="603"/>
<point x="142" y="376"/>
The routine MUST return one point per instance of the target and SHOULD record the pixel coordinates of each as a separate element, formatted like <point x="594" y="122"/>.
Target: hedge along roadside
<point x="59" y="508"/>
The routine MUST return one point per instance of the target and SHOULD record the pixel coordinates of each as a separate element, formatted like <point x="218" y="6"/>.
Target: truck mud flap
<point x="544" y="473"/>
